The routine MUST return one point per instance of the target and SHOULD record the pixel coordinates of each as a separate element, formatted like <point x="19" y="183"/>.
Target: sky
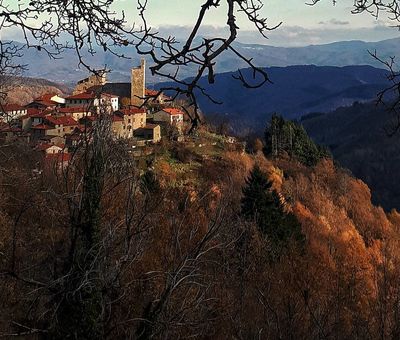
<point x="301" y="24"/>
<point x="290" y="12"/>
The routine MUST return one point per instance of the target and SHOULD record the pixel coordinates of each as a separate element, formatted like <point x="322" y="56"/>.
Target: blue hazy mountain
<point x="295" y="91"/>
<point x="65" y="69"/>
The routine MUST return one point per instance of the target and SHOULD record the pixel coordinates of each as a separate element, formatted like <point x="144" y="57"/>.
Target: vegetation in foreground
<point x="204" y="240"/>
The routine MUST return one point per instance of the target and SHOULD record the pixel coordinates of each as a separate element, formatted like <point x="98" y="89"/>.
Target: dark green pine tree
<point x="149" y="183"/>
<point x="262" y="205"/>
<point x="287" y="137"/>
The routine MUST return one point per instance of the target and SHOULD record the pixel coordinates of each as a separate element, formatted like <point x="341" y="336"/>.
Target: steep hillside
<point x="23" y="90"/>
<point x="357" y="137"/>
<point x="179" y="233"/>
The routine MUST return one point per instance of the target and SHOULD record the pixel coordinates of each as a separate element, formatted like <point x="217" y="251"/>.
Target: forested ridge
<point x="203" y="240"/>
<point x="360" y="139"/>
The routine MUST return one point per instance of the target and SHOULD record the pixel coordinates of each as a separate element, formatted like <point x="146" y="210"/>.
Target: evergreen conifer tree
<point x="282" y="136"/>
<point x="149" y="183"/>
<point x="261" y="204"/>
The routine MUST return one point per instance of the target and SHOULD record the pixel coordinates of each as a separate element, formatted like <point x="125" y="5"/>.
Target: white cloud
<point x="334" y="22"/>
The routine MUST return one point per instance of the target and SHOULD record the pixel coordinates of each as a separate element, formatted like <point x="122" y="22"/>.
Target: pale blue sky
<point x="291" y="12"/>
<point x="302" y="24"/>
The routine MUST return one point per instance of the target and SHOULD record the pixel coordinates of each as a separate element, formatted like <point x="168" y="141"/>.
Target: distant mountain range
<point x="65" y="70"/>
<point x="296" y="91"/>
<point x="358" y="139"/>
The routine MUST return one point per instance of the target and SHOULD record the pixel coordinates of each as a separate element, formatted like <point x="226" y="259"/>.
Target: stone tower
<point x="138" y="84"/>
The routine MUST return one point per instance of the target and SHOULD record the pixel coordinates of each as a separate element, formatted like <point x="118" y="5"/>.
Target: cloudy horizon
<point x="302" y="25"/>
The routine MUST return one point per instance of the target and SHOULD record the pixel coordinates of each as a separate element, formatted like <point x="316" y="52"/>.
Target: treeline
<point x="231" y="246"/>
<point x="284" y="136"/>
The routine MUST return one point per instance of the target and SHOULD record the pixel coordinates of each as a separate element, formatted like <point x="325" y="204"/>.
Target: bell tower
<point x="138" y="84"/>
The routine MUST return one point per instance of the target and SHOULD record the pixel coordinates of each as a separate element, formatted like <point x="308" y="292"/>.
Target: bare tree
<point x="202" y="53"/>
<point x="53" y="26"/>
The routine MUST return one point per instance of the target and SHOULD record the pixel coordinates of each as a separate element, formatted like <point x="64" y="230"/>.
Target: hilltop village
<point x="53" y="124"/>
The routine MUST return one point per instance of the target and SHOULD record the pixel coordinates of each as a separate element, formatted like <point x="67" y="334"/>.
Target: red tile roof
<point x="153" y="93"/>
<point x="62" y="120"/>
<point x="91" y="118"/>
<point x="77" y="109"/>
<point x="32" y="112"/>
<point x="47" y="103"/>
<point x="41" y="127"/>
<point x="117" y="118"/>
<point x="46" y="97"/>
<point x="172" y="111"/>
<point x="85" y="95"/>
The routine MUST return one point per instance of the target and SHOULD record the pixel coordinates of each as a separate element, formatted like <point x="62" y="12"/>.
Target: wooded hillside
<point x="181" y="258"/>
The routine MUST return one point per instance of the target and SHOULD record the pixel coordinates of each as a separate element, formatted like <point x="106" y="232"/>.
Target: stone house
<point x="118" y="126"/>
<point x="31" y="118"/>
<point x="90" y="99"/>
<point x="47" y="101"/>
<point x="171" y="116"/>
<point x="77" y="112"/>
<point x="54" y="126"/>
<point x="49" y="148"/>
<point x="149" y="133"/>
<point x="9" y="133"/>
<point x="12" y="111"/>
<point x="156" y="97"/>
<point x="133" y="119"/>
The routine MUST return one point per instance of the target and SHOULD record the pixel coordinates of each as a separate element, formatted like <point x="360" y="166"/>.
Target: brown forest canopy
<point x="184" y="259"/>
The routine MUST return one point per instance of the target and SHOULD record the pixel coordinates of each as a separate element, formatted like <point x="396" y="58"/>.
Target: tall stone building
<point x="99" y="79"/>
<point x="138" y="84"/>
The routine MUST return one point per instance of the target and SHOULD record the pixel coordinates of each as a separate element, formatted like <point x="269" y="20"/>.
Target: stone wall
<point x="94" y="80"/>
